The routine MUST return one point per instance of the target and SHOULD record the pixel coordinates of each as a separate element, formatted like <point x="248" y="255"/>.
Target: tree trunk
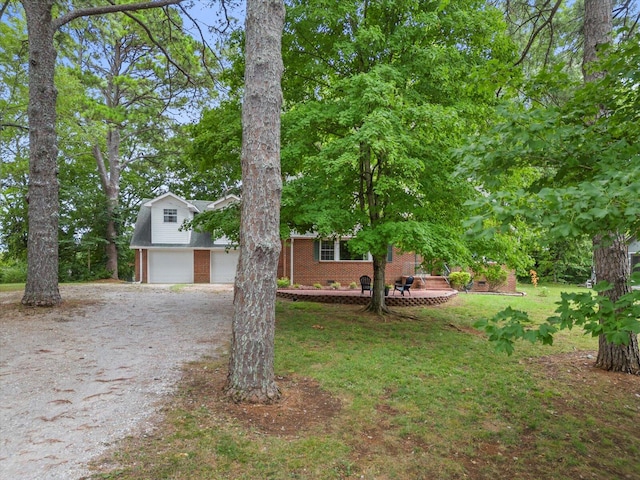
<point x="110" y="181"/>
<point x="42" y="252"/>
<point x="111" y="249"/>
<point x="597" y="32"/>
<point x="610" y="250"/>
<point x="612" y="265"/>
<point x="377" y="304"/>
<point x="251" y="374"/>
<point x="369" y="203"/>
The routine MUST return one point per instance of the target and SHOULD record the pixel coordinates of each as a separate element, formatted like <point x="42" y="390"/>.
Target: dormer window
<point x="170" y="215"/>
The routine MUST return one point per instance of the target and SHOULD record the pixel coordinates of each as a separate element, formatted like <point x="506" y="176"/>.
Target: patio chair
<point x="406" y="287"/>
<point x="365" y="283"/>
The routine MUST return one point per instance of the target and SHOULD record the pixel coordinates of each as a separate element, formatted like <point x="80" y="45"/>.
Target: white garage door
<point x="170" y="266"/>
<point x="223" y="266"/>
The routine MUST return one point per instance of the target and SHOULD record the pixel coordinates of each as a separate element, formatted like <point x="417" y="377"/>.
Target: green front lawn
<point x="11" y="287"/>
<point x="424" y="397"/>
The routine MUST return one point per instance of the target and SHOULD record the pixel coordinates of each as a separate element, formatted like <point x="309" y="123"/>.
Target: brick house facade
<point x="301" y="261"/>
<point x="141" y="263"/>
<point x="201" y="266"/>
<point x="166" y="253"/>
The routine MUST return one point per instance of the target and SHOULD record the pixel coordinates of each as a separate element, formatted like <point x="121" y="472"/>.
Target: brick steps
<point x="434" y="283"/>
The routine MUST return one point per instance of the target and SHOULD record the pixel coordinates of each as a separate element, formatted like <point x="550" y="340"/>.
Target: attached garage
<point x="170" y="266"/>
<point x="168" y="253"/>
<point x="223" y="265"/>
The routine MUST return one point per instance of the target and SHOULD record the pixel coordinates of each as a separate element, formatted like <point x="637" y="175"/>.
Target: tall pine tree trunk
<point x="612" y="265"/>
<point x="598" y="25"/>
<point x="110" y="180"/>
<point x="43" y="197"/>
<point x="42" y="251"/>
<point x="610" y="250"/>
<point x="251" y="375"/>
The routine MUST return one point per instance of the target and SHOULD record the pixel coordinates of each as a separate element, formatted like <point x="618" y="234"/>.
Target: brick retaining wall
<point x="392" y="301"/>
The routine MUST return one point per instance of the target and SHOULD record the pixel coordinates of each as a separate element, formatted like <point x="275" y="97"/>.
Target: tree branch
<point x="14" y="125"/>
<point x="4" y="7"/>
<point x="166" y="54"/>
<point x="205" y="44"/>
<point x="131" y="7"/>
<point x="537" y="31"/>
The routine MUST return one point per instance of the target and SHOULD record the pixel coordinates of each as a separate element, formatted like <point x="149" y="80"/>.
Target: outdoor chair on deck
<point x="365" y="283"/>
<point x="403" y="287"/>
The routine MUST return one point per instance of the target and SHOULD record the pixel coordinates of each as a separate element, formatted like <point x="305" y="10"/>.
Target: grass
<point x="178" y="287"/>
<point x="424" y="398"/>
<point x="11" y="287"/>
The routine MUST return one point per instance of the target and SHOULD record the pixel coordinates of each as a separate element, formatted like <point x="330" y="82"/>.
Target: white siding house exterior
<point x="166" y="253"/>
<point x="165" y="226"/>
<point x="634" y="255"/>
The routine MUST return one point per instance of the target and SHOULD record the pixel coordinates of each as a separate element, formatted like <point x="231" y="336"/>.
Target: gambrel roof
<point x="142" y="231"/>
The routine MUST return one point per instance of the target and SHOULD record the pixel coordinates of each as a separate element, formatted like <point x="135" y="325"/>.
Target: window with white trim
<point x="170" y="215"/>
<point x="338" y="251"/>
<point x="327" y="250"/>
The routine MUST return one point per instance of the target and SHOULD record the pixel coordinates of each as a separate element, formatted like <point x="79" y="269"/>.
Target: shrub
<point x="283" y="282"/>
<point x="495" y="276"/>
<point x="12" y="271"/>
<point x="336" y="285"/>
<point x="317" y="285"/>
<point x="458" y="280"/>
<point x="353" y="285"/>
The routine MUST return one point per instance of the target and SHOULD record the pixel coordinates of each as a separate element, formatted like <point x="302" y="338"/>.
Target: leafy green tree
<point x="211" y="167"/>
<point x="563" y="260"/>
<point x="588" y="166"/>
<point x="132" y="94"/>
<point x="14" y="152"/>
<point x="378" y="93"/>
<point x="42" y="269"/>
<point x="610" y="251"/>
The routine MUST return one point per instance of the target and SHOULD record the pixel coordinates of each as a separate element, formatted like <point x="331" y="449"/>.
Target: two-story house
<point x="166" y="253"/>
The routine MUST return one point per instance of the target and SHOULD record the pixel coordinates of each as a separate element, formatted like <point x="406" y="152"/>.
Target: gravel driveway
<point x="75" y="379"/>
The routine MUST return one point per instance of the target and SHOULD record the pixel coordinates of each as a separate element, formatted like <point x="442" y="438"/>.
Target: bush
<point x="459" y="280"/>
<point x="14" y="274"/>
<point x="12" y="271"/>
<point x="495" y="276"/>
<point x="317" y="285"/>
<point x="336" y="285"/>
<point x="353" y="285"/>
<point x="283" y="282"/>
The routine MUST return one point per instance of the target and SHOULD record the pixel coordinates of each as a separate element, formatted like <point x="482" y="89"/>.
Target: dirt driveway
<point x="75" y="379"/>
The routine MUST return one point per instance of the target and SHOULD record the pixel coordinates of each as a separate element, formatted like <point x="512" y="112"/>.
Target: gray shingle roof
<point x="142" y="231"/>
